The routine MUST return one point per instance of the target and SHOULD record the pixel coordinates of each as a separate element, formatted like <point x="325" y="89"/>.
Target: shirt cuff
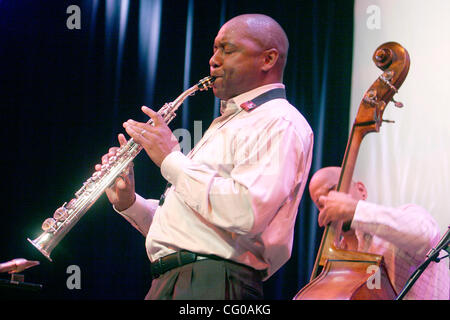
<point x="140" y="213"/>
<point x="173" y="165"/>
<point x="362" y="215"/>
<point x="138" y="209"/>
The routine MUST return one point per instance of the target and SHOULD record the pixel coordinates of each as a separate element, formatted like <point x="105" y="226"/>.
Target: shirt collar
<point x="234" y="104"/>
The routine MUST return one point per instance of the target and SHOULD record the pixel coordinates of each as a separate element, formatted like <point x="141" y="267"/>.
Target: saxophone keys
<point x="95" y="176"/>
<point x="119" y="152"/>
<point x="71" y="204"/>
<point x="49" y="225"/>
<point x="61" y="214"/>
<point x="79" y="192"/>
<point x="112" y="159"/>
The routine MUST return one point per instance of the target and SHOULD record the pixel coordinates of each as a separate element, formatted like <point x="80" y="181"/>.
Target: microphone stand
<point x="433" y="255"/>
<point x="17" y="282"/>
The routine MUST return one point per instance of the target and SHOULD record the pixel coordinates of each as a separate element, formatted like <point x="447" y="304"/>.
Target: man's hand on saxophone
<point x="157" y="139"/>
<point x="122" y="193"/>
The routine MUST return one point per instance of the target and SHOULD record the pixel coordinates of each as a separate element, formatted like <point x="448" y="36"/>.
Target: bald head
<point x="249" y="52"/>
<point x="264" y="31"/>
<point x="327" y="179"/>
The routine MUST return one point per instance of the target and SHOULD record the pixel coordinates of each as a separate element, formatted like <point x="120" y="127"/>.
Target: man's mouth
<point x="216" y="75"/>
<point x="215" y="80"/>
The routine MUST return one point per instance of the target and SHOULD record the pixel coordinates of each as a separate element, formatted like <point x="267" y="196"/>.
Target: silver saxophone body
<point x="66" y="216"/>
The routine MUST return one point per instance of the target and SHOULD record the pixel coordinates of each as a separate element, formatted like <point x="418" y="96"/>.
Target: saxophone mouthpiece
<point x="206" y="83"/>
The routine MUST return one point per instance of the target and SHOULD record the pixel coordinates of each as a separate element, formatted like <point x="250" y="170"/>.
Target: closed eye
<point x="333" y="187"/>
<point x="226" y="47"/>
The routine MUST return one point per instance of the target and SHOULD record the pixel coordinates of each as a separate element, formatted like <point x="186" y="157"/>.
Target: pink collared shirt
<point x="236" y="194"/>
<point x="403" y="236"/>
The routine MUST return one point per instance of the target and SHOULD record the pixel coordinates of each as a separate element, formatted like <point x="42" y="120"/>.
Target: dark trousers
<point x="208" y="280"/>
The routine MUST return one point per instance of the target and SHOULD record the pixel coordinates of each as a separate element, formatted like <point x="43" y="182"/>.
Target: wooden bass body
<point x="364" y="279"/>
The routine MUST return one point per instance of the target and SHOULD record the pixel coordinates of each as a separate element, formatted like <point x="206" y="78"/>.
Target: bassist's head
<point x="326" y="180"/>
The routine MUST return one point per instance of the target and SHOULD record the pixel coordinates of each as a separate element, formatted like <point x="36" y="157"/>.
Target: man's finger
<point x="122" y="139"/>
<point x="104" y="159"/>
<point x="321" y="201"/>
<point x="319" y="219"/>
<point x="135" y="132"/>
<point x="157" y="119"/>
<point x="139" y="127"/>
<point x="122" y="182"/>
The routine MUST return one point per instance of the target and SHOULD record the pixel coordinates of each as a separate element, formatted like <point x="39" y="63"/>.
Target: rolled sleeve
<point x="409" y="227"/>
<point x="257" y="186"/>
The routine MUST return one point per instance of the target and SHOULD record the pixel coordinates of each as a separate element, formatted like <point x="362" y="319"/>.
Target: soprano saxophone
<point x="66" y="216"/>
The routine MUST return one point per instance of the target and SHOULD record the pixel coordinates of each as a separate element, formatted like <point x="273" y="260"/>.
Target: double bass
<point x="340" y="274"/>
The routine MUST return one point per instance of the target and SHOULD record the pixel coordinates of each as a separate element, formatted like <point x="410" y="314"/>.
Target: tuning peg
<point x="398" y="104"/>
<point x="388" y="121"/>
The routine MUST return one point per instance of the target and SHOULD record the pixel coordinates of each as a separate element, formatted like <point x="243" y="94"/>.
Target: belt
<point x="174" y="260"/>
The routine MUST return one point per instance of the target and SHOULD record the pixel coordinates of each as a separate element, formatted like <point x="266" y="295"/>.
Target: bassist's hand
<point x="336" y="206"/>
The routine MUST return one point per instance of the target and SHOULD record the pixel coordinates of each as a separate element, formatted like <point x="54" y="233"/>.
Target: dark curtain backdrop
<point x="65" y="94"/>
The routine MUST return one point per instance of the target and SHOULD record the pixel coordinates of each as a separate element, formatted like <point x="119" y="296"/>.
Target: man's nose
<point x="214" y="61"/>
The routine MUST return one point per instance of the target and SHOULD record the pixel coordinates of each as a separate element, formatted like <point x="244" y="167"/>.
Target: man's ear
<point x="361" y="189"/>
<point x="270" y="57"/>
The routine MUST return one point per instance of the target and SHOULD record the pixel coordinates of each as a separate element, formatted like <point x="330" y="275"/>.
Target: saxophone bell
<point x="44" y="244"/>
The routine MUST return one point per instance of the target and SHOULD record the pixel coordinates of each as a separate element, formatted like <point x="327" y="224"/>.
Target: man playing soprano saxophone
<point x="226" y="223"/>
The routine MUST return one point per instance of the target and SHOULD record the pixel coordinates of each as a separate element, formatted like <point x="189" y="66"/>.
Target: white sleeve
<point x="259" y="182"/>
<point x="140" y="214"/>
<point x="409" y="227"/>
